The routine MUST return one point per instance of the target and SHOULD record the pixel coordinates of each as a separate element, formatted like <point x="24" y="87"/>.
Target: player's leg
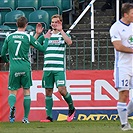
<point x="11" y="102"/>
<point x="122" y="80"/>
<point x="49" y="105"/>
<point x="12" y="98"/>
<point x="130" y="107"/>
<point x="26" y="83"/>
<point x="122" y="106"/>
<point x="13" y="85"/>
<point x="26" y="104"/>
<point x="67" y="97"/>
<point x="60" y="83"/>
<point x="130" y="104"/>
<point x="48" y="84"/>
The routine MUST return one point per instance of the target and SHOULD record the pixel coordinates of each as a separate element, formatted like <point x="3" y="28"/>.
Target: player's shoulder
<point x="131" y="23"/>
<point x="18" y="33"/>
<point x="115" y="26"/>
<point x="10" y="35"/>
<point x="23" y="34"/>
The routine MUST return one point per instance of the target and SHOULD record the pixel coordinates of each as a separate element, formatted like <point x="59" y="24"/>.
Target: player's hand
<point x="59" y="26"/>
<point x="48" y="34"/>
<point x="39" y="28"/>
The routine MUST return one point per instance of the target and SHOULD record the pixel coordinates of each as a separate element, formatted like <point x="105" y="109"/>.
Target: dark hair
<point x="21" y="22"/>
<point x="126" y="7"/>
<point x="57" y="16"/>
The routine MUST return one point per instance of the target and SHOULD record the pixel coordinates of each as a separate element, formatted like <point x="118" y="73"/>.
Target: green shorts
<point x="19" y="79"/>
<point x="51" y="77"/>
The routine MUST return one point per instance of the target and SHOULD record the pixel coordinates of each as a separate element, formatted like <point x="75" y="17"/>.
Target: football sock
<point x="122" y="112"/>
<point x="26" y="103"/>
<point x="49" y="105"/>
<point x="130" y="107"/>
<point x="69" y="101"/>
<point x="11" y="100"/>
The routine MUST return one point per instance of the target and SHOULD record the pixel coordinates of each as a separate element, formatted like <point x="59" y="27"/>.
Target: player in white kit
<point x="121" y="34"/>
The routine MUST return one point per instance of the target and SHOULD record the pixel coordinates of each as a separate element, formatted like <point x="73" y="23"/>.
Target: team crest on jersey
<point x="130" y="40"/>
<point x="59" y="38"/>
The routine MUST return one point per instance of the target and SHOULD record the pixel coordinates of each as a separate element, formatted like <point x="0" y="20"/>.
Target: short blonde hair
<point x="57" y="16"/>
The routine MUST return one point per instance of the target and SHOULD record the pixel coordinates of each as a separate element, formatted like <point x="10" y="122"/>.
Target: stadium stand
<point x="7" y="4"/>
<point x="81" y="1"/>
<point x="5" y="7"/>
<point x="4" y="28"/>
<point x="2" y="38"/>
<point x="82" y="4"/>
<point x="79" y="54"/>
<point x="39" y="16"/>
<point x="67" y="6"/>
<point x="27" y="7"/>
<point x="0" y="19"/>
<point x="11" y="17"/>
<point x="52" y="7"/>
<point x="30" y="29"/>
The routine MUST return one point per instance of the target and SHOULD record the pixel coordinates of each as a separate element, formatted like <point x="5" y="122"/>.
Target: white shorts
<point x="123" y="78"/>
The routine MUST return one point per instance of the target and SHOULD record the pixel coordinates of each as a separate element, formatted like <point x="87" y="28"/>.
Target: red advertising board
<point x="90" y="89"/>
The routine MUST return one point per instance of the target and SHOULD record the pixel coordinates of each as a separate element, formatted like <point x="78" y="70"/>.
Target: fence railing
<point x="78" y="55"/>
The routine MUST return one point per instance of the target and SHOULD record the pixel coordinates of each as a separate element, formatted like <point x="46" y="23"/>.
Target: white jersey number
<point x="18" y="47"/>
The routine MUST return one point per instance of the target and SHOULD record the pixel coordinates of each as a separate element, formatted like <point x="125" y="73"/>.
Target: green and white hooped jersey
<point x="55" y="54"/>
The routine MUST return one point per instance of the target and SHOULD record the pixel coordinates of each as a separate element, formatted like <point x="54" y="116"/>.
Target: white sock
<point x="122" y="112"/>
<point x="130" y="107"/>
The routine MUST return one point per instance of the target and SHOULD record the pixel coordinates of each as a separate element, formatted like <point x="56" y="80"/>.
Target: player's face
<point x="130" y="16"/>
<point x="54" y="23"/>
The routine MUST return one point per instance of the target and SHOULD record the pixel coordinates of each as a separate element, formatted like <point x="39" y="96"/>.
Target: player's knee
<point x="62" y="90"/>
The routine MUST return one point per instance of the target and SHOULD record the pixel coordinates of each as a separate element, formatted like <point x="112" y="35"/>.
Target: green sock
<point x="11" y="100"/>
<point x="69" y="101"/>
<point x="49" y="105"/>
<point x="27" y="101"/>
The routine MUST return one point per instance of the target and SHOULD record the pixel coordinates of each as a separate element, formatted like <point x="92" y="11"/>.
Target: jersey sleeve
<point x="114" y="34"/>
<point x="41" y="39"/>
<point x="4" y="51"/>
<point x="37" y="45"/>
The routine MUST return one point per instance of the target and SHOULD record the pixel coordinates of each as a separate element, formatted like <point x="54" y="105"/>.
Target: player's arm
<point x="66" y="38"/>
<point x="4" y="51"/>
<point x="38" y="46"/>
<point x="39" y="30"/>
<point x="116" y="40"/>
<point x="119" y="47"/>
<point x="64" y="35"/>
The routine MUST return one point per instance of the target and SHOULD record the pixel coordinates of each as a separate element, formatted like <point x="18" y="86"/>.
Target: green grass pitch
<point x="102" y="126"/>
